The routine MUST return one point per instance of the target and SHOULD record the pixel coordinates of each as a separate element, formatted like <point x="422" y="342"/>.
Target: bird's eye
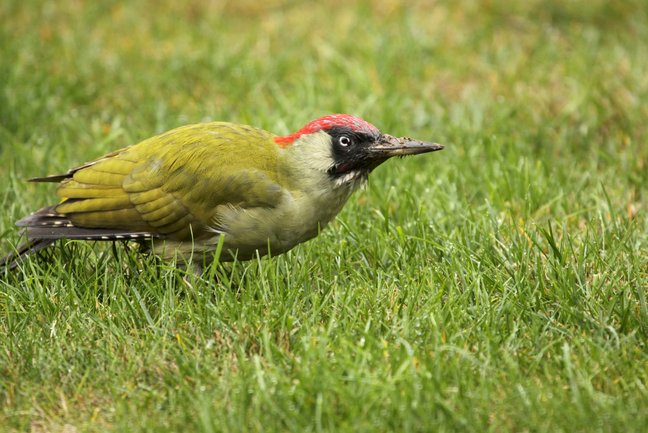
<point x="344" y="141"/>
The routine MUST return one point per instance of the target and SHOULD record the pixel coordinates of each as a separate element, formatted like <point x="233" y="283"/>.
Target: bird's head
<point x="348" y="148"/>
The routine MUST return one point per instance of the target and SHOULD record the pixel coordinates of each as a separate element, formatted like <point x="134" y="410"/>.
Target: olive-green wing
<point x="170" y="185"/>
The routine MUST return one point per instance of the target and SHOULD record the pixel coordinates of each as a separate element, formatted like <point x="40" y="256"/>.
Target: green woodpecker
<point x="183" y="190"/>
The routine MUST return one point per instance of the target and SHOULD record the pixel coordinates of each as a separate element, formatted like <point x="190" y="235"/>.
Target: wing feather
<point x="154" y="208"/>
<point x="92" y="176"/>
<point x="76" y="190"/>
<point x="93" y="204"/>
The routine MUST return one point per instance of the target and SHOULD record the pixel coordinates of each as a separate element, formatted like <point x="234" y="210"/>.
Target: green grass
<point x="499" y="285"/>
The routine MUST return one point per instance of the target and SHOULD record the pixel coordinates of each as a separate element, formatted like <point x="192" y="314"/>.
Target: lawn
<point x="499" y="285"/>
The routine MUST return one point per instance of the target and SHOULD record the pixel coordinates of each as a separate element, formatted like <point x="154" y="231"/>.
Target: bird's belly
<point x="275" y="230"/>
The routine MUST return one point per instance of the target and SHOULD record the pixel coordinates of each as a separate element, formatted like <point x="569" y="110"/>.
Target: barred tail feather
<point x="12" y="260"/>
<point x="46" y="226"/>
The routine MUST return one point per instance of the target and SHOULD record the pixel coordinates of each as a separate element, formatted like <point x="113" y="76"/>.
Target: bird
<point x="187" y="190"/>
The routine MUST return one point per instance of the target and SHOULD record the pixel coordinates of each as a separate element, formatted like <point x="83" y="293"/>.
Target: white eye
<point x="344" y="141"/>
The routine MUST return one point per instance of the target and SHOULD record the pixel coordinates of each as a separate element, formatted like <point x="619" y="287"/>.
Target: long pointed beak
<point x="389" y="146"/>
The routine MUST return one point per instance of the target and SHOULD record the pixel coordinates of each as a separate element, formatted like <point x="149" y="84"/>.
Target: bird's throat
<point x="353" y="178"/>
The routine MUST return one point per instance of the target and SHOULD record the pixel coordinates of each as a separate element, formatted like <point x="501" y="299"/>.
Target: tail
<point x="34" y="225"/>
<point x="46" y="226"/>
<point x="12" y="260"/>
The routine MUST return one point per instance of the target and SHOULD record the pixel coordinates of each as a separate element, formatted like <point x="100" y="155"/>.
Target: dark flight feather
<point x="46" y="226"/>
